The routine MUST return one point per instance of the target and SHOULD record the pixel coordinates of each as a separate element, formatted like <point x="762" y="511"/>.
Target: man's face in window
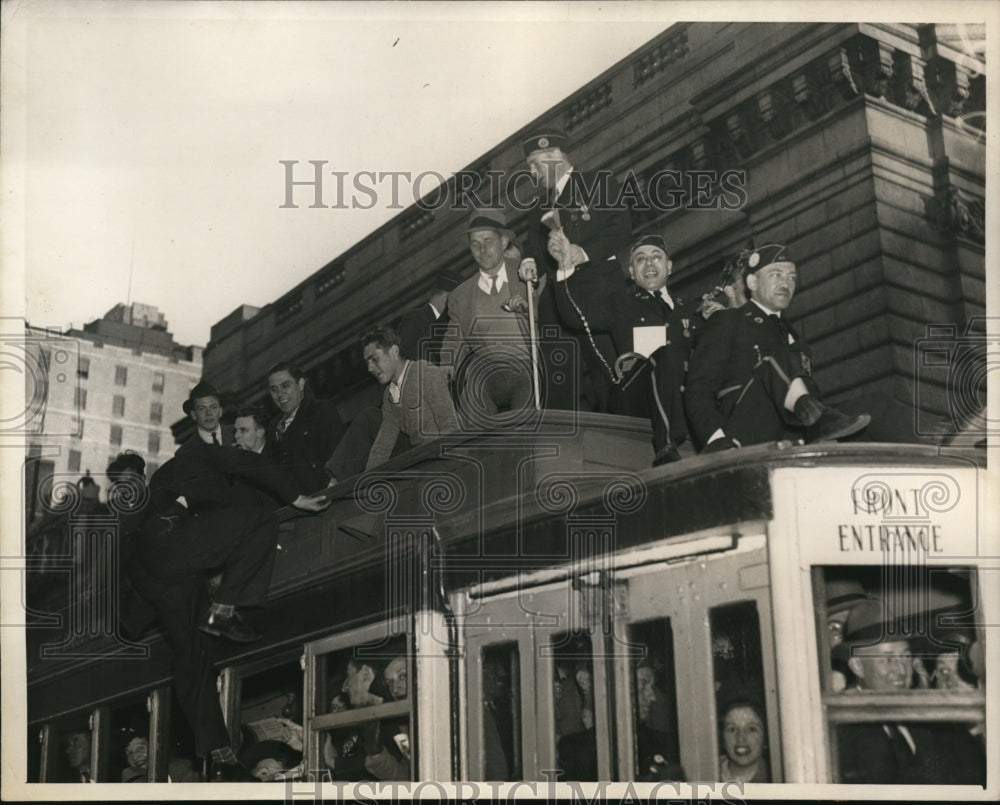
<point x="887" y="666"/>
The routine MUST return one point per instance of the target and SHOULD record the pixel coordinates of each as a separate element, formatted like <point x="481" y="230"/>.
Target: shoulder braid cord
<point x="616" y="373"/>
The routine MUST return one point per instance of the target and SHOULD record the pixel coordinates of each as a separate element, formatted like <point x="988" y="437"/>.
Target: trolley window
<point x="573" y="705"/>
<point x="738" y="670"/>
<point x="901" y="668"/>
<point x="501" y="713"/>
<point x="270" y="721"/>
<point x="361" y="706"/>
<point x="654" y="702"/>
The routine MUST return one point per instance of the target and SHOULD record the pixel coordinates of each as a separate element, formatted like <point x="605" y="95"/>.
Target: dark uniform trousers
<point x="740" y="372"/>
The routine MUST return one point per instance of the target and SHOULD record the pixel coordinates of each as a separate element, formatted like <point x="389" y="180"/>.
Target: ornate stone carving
<point x="958" y="213"/>
<point x="839" y="71"/>
<point x="908" y="88"/>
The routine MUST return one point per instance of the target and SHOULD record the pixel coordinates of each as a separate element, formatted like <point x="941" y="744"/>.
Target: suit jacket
<point x="945" y="754"/>
<point x="462" y="314"/>
<point x="307" y="443"/>
<point x="424" y="411"/>
<point x="228" y="440"/>
<point x="421" y="334"/>
<point x="207" y="477"/>
<point x="730" y="346"/>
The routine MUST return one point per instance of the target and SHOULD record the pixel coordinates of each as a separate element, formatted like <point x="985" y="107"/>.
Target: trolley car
<point x="525" y="577"/>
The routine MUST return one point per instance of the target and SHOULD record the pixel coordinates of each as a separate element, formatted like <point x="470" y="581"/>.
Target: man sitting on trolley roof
<point x="750" y="380"/>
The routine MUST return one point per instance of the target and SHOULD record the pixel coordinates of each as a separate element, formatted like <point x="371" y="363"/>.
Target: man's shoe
<point x="808" y="410"/>
<point x="666" y="455"/>
<point x="230" y="627"/>
<point x="833" y="425"/>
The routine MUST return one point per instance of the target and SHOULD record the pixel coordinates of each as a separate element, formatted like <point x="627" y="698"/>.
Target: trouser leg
<point x="247" y="570"/>
<point x="194" y="674"/>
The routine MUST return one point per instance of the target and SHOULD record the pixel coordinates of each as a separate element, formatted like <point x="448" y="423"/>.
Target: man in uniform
<point x="643" y="320"/>
<point x="584" y="206"/>
<point x="487" y="347"/>
<point x="751" y="377"/>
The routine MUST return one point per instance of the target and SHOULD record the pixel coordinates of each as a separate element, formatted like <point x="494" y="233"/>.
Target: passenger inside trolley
<point x="890" y="638"/>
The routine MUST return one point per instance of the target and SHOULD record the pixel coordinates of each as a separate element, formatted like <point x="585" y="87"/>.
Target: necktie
<point x="215" y="440"/>
<point x="781" y="325"/>
<point x="493" y="288"/>
<point x="658" y="293"/>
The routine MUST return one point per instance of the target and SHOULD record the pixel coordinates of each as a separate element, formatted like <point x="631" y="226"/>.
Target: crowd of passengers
<point x="713" y="374"/>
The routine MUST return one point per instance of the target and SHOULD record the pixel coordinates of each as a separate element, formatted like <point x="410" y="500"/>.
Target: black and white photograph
<point x="493" y="400"/>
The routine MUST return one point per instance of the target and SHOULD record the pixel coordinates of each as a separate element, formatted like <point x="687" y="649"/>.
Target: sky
<point x="153" y="133"/>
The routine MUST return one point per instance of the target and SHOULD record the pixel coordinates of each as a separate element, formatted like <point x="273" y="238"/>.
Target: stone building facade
<point x="114" y="385"/>
<point x="861" y="146"/>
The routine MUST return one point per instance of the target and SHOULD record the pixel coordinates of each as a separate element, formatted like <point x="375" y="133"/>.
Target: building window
<point x="158" y="381"/>
<point x="118" y="405"/>
<point x="116" y="435"/>
<point x="80" y="399"/>
<point x="121" y="375"/>
<point x="156" y="413"/>
<point x="83" y="369"/>
<point x="74" y="460"/>
<point x="154" y="443"/>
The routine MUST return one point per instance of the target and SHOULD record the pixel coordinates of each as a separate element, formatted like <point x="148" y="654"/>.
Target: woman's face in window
<point x="743" y="736"/>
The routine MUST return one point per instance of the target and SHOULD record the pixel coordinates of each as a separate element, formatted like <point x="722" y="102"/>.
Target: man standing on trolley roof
<point x="652" y="333"/>
<point x="586" y="208"/>
<point x="488" y="344"/>
<point x="751" y="375"/>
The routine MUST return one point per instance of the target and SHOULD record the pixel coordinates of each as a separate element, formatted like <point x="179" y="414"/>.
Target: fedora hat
<point x="843" y="594"/>
<point x="203" y="389"/>
<point x="907" y="614"/>
<point x="489" y="219"/>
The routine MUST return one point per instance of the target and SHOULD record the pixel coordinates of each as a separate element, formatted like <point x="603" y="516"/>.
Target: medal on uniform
<point x="585" y="215"/>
